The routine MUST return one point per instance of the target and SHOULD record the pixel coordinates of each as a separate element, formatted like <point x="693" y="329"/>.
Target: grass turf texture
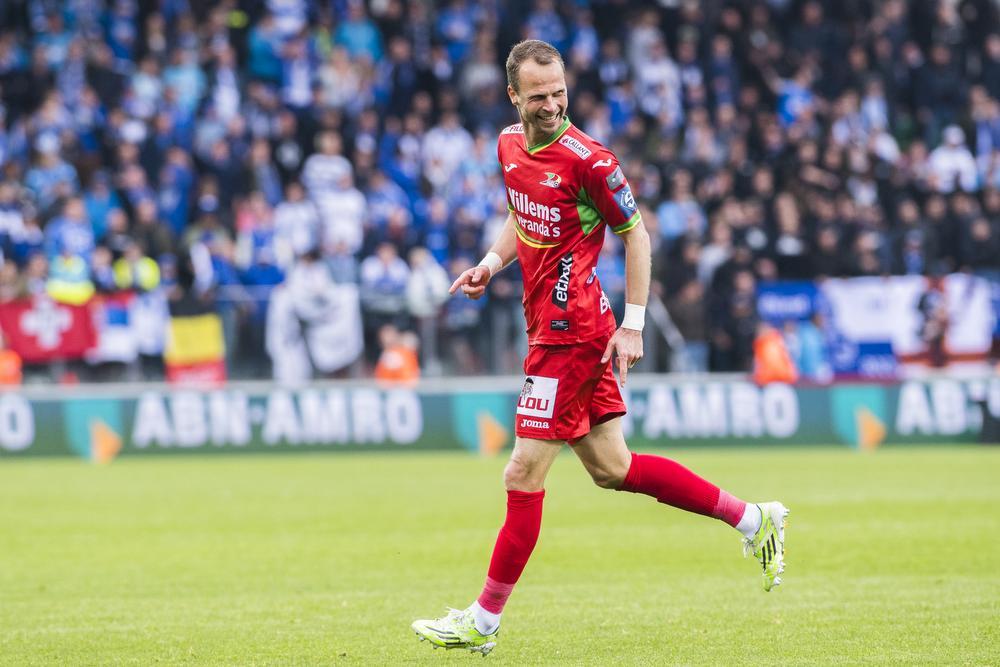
<point x="326" y="559"/>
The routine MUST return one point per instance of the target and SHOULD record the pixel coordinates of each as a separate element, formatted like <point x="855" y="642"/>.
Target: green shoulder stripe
<point x="590" y="217"/>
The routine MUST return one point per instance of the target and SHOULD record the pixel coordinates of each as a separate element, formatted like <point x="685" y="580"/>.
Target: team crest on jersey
<point x="576" y="146"/>
<point x="551" y="180"/>
<point x="513" y="129"/>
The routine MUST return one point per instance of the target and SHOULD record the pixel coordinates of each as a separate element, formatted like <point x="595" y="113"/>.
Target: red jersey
<point x="562" y="193"/>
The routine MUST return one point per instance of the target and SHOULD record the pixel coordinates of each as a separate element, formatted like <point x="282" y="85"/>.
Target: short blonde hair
<point x="541" y="52"/>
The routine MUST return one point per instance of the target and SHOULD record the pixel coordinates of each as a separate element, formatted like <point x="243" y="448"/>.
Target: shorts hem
<point x="552" y="437"/>
<point x="607" y="416"/>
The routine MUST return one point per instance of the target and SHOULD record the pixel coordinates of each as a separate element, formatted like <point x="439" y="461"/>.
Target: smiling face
<point x="540" y="98"/>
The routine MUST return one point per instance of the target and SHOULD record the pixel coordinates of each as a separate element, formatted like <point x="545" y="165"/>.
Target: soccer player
<point x="563" y="189"/>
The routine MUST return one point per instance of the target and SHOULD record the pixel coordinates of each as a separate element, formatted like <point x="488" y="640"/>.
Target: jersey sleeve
<point x="609" y="192"/>
<point x="506" y="193"/>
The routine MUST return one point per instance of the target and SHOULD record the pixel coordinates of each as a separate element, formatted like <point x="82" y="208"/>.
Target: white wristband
<point x="492" y="261"/>
<point x="635" y="317"/>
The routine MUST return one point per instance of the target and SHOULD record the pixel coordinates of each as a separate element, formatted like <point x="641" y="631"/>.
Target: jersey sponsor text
<point x="560" y="293"/>
<point x="523" y="204"/>
<point x="539" y="228"/>
<point x="576" y="146"/>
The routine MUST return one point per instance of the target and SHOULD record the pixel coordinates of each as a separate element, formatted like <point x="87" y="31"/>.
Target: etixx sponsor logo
<point x="560" y="293"/>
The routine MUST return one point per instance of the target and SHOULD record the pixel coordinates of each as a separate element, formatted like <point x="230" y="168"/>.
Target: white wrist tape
<point x="635" y="317"/>
<point x="492" y="262"/>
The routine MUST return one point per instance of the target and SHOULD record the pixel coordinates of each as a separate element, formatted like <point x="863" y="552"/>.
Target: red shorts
<point x="567" y="391"/>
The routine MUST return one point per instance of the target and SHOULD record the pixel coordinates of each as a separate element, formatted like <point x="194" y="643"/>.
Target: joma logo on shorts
<point x="533" y="423"/>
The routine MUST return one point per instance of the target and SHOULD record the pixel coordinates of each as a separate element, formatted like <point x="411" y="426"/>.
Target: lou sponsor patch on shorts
<point x="538" y="396"/>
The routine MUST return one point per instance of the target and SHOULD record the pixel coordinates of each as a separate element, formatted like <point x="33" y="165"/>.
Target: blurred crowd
<point x="250" y="139"/>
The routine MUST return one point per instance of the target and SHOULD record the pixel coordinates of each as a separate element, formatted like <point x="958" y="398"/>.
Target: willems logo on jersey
<point x="523" y="204"/>
<point x="560" y="293"/>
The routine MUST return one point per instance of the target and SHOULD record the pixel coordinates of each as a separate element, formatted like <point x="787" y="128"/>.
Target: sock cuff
<point x="494" y="595"/>
<point x="729" y="508"/>
<point x="633" y="478"/>
<point x="522" y="499"/>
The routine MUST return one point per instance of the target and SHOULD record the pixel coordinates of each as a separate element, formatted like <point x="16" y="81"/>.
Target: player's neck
<point x="534" y="136"/>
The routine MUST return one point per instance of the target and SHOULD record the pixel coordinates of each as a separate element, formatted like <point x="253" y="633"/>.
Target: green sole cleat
<point x="456" y="630"/>
<point x="768" y="544"/>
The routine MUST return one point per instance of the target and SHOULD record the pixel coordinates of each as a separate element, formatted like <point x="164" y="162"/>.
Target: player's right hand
<point x="472" y="282"/>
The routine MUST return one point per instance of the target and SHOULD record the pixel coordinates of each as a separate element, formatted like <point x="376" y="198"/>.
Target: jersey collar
<point x="552" y="139"/>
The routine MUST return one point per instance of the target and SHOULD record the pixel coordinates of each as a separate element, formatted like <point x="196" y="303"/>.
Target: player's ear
<point x="512" y="94"/>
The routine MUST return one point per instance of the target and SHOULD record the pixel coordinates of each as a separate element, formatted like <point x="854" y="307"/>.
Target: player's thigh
<point x="529" y="463"/>
<point x="604" y="453"/>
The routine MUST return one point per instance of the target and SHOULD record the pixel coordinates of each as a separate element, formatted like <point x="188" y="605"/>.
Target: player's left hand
<point x="626" y="346"/>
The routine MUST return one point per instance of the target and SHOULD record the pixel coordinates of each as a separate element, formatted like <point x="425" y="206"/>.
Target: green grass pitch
<point x="893" y="558"/>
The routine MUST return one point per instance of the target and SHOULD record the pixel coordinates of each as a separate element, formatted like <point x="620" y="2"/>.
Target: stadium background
<point x="276" y="191"/>
<point x="310" y="172"/>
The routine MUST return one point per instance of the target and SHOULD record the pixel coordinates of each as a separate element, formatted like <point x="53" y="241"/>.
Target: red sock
<point x="673" y="484"/>
<point x="513" y="548"/>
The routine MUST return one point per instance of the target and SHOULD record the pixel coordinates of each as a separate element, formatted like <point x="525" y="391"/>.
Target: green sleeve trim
<point x="628" y="224"/>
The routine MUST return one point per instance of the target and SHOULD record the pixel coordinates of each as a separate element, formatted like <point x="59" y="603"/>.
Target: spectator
<point x="384" y="278"/>
<point x="342" y="211"/>
<point x="687" y="310"/>
<point x="443" y="149"/>
<point x="296" y="225"/>
<point x="771" y="361"/>
<point x="150" y="232"/>
<point x="951" y="165"/>
<point x="101" y="271"/>
<point x="340" y="80"/>
<point x="397" y="362"/>
<point x="51" y="177"/>
<point x="359" y="35"/>
<point x="70" y="233"/>
<point x="134" y="270"/>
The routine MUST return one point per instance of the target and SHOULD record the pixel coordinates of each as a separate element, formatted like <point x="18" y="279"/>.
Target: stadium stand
<point x="175" y="159"/>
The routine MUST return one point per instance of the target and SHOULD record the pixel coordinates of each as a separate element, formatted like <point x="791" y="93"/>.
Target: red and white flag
<point x="41" y="329"/>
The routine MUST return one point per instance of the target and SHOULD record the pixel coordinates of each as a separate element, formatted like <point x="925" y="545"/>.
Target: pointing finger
<point x="607" y="351"/>
<point x="622" y="370"/>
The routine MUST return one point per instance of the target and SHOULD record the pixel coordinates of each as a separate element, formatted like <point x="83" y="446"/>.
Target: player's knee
<point x="609" y="477"/>
<point x="522" y="476"/>
<point x="519" y="477"/>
